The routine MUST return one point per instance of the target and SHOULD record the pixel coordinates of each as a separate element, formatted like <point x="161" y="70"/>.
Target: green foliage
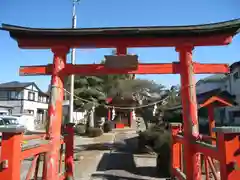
<point x="164" y="163"/>
<point x="173" y="116"/>
<point x="80" y="129"/>
<point x="155" y="137"/>
<point x="94" y="132"/>
<point x="107" y="126"/>
<point x="111" y="81"/>
<point x="159" y="139"/>
<point x="174" y="98"/>
<point x="89" y="88"/>
<point x="139" y="89"/>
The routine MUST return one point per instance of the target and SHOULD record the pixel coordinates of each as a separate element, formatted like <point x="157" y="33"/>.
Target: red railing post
<point x="176" y="147"/>
<point x="69" y="141"/>
<point x="11" y="153"/>
<point x="51" y="164"/>
<point x="228" y="147"/>
<point x="190" y="119"/>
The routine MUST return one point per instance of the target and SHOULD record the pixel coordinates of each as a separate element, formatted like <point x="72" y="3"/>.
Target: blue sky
<point x="100" y="13"/>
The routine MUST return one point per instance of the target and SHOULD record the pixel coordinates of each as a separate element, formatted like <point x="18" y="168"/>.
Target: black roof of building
<point x="15" y="84"/>
<point x="213" y="78"/>
<point x="228" y="27"/>
<point x="219" y="77"/>
<point x="19" y="85"/>
<point x="234" y="65"/>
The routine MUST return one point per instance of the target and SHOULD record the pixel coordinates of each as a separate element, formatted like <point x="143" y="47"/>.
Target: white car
<point x="6" y="121"/>
<point x="28" y="121"/>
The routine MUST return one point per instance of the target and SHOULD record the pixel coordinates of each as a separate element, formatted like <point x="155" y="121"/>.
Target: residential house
<point x="25" y="98"/>
<point x="225" y="82"/>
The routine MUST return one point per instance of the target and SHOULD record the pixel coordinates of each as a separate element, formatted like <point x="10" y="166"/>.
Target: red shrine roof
<point x="121" y="101"/>
<point x="229" y="28"/>
<point x="216" y="97"/>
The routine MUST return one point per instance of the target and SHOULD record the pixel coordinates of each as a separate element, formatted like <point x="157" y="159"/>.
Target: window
<point x="31" y="96"/>
<point x="222" y="114"/>
<point x="3" y="95"/>
<point x="40" y="98"/>
<point x="13" y="95"/>
<point x="27" y="111"/>
<point x="236" y="114"/>
<point x="231" y="116"/>
<point x="20" y="95"/>
<point x="16" y="95"/>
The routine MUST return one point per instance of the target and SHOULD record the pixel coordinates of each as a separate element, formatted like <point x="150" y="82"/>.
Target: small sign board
<point x="121" y="62"/>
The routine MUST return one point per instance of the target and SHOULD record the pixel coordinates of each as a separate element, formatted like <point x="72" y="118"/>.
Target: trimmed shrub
<point x="94" y="132"/>
<point x="145" y="138"/>
<point x="158" y="138"/>
<point x="80" y="129"/>
<point x="107" y="126"/>
<point x="162" y="146"/>
<point x="164" y="164"/>
<point x="153" y="134"/>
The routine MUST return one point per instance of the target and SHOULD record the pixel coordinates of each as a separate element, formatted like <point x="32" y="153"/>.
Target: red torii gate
<point x="183" y="38"/>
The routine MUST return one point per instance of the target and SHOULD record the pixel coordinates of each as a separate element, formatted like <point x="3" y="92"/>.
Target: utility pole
<point x="73" y="59"/>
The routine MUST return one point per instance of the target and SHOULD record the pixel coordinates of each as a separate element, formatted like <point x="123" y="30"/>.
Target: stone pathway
<point x="123" y="163"/>
<point x="89" y="152"/>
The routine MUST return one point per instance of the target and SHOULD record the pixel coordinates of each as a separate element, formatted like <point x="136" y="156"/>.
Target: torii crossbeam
<point x="99" y="69"/>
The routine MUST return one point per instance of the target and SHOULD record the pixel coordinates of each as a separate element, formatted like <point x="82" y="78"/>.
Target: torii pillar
<point x="51" y="165"/>
<point x="189" y="103"/>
